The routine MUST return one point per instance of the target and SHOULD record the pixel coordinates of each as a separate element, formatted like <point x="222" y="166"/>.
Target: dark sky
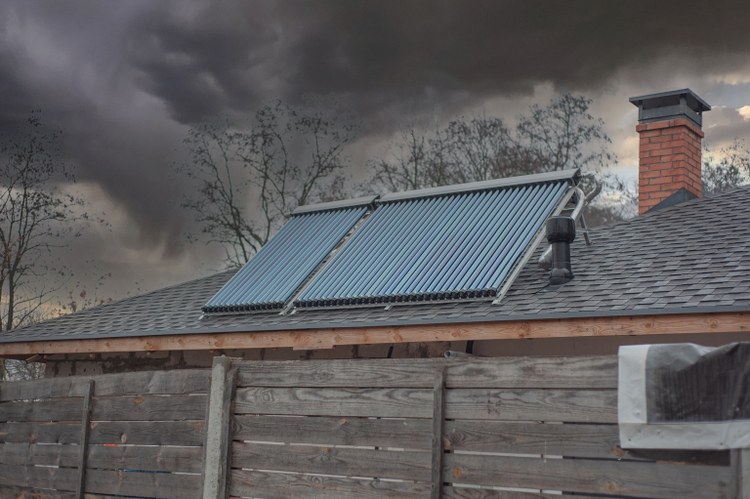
<point x="125" y="81"/>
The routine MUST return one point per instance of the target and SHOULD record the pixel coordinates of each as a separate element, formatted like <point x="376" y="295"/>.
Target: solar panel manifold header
<point x="273" y="275"/>
<point x="450" y="245"/>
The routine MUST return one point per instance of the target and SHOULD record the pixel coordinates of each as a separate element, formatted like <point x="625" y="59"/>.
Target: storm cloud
<point x="125" y="80"/>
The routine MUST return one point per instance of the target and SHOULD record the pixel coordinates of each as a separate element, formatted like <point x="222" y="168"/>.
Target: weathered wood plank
<point x="43" y="388"/>
<point x="347" y="461"/>
<point x="11" y="492"/>
<point x="46" y="410"/>
<point x="151" y="458"/>
<point x="25" y="454"/>
<point x="150" y="408"/>
<point x="181" y="381"/>
<point x="147" y="432"/>
<point x="163" y="485"/>
<point x="581" y="440"/>
<point x="176" y="382"/>
<point x="324" y="431"/>
<point x="471" y="493"/>
<point x="579" y="406"/>
<point x="339" y="373"/>
<point x="55" y="433"/>
<point x="374" y="402"/>
<point x="638" y="479"/>
<point x="281" y="486"/>
<point x="594" y="372"/>
<point x="34" y="476"/>
<point x="573" y="440"/>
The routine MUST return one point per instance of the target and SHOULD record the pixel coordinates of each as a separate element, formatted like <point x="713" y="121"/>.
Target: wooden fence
<point x="142" y="436"/>
<point x="463" y="428"/>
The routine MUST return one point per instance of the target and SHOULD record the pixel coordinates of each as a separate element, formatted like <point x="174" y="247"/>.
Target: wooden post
<point x="84" y="442"/>
<point x="740" y="473"/>
<point x="438" y="418"/>
<point x="216" y="455"/>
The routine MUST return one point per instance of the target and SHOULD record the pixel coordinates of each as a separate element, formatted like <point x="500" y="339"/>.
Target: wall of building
<point x="89" y="364"/>
<point x="82" y="364"/>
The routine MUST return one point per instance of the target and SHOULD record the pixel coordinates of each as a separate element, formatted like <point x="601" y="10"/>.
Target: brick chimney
<point x="669" y="125"/>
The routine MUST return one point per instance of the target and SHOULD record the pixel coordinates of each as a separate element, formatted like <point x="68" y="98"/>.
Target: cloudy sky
<point x="126" y="80"/>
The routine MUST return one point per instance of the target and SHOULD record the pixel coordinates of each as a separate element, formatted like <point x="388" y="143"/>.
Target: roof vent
<point x="561" y="231"/>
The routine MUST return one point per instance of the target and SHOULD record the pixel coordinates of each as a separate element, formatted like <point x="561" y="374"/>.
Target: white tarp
<point x="684" y="396"/>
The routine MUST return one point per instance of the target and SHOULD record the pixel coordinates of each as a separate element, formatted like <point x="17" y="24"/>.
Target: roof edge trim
<point x="332" y="326"/>
<point x="334" y="205"/>
<point x="569" y="175"/>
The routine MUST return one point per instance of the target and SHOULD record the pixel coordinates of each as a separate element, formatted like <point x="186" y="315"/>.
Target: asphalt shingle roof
<point x="688" y="258"/>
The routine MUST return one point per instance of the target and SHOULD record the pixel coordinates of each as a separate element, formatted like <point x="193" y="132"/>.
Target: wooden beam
<point x="629" y="325"/>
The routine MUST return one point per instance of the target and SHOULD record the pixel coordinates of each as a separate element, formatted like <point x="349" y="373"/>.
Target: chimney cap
<point x="670" y="105"/>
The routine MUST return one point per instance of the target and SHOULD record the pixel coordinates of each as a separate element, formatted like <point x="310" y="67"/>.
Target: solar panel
<point x="272" y="276"/>
<point x="437" y="244"/>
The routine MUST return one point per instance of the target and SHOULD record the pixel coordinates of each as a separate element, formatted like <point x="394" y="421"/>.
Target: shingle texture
<point x="690" y="257"/>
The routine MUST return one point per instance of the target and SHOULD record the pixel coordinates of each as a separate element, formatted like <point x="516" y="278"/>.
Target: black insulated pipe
<point x="561" y="231"/>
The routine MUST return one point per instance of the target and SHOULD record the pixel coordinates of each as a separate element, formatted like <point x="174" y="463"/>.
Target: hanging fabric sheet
<point x="684" y="396"/>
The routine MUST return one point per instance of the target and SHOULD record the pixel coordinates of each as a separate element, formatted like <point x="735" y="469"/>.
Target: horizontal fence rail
<point x="459" y="428"/>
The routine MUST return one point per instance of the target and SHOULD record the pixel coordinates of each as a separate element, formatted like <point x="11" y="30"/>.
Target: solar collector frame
<point x="272" y="276"/>
<point x="451" y="245"/>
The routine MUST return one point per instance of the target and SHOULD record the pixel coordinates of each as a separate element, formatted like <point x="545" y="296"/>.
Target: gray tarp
<point x="684" y="396"/>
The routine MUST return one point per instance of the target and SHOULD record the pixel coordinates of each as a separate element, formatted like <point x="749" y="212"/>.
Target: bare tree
<point x="36" y="216"/>
<point x="287" y="157"/>
<point x="559" y="136"/>
<point x="412" y="163"/>
<point x="564" y="135"/>
<point x="726" y="169"/>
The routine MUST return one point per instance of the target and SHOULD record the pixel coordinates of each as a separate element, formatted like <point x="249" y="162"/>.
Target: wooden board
<point x="401" y="433"/>
<point x="580" y="440"/>
<point x="147" y="432"/>
<point x="10" y="492"/>
<point x="339" y="373"/>
<point x="594" y="372"/>
<point x="625" y="325"/>
<point x="140" y="383"/>
<point x="46" y="410"/>
<point x="150" y="408"/>
<point x="340" y="402"/>
<point x="162" y="485"/>
<point x="43" y="388"/>
<point x="244" y="483"/>
<point x="572" y="440"/>
<point x="175" y="382"/>
<point x="347" y="461"/>
<point x="56" y="433"/>
<point x="24" y="454"/>
<point x="467" y="493"/>
<point x="659" y="481"/>
<point x="33" y="476"/>
<point x="152" y="458"/>
<point x="580" y="406"/>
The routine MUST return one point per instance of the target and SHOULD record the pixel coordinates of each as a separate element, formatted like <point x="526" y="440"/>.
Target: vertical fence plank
<point x="216" y="451"/>
<point x="84" y="442"/>
<point x="438" y="418"/>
